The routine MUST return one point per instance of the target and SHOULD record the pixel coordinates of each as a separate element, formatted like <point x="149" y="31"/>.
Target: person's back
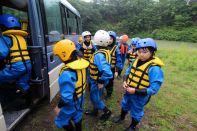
<point x="72" y="84"/>
<point x="116" y="62"/>
<point x="100" y="74"/>
<point x="14" y="53"/>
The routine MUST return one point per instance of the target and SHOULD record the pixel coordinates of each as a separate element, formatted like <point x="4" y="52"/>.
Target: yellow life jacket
<point x="79" y="66"/>
<point x="138" y="77"/>
<point x="18" y="51"/>
<point x="94" y="72"/>
<point x="132" y="56"/>
<point x="113" y="56"/>
<point x="87" y="53"/>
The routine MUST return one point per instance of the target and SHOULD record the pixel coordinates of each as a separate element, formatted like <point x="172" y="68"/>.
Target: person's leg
<point x="121" y="117"/>
<point x="8" y="74"/>
<point x="77" y="119"/>
<point x="94" y="97"/>
<point x="78" y="125"/>
<point x="63" y="119"/>
<point x="137" y="110"/>
<point x="69" y="127"/>
<point x="23" y="81"/>
<point x="109" y="88"/>
<point x="106" y="114"/>
<point x="133" y="125"/>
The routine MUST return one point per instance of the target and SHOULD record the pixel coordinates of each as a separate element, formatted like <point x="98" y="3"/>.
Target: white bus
<point x="46" y="21"/>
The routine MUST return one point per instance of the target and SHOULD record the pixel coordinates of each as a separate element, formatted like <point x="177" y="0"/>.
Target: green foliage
<point x="173" y="33"/>
<point x="170" y="18"/>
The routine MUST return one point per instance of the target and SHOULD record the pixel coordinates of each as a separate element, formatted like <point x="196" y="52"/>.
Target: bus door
<point x="26" y="12"/>
<point x="57" y="27"/>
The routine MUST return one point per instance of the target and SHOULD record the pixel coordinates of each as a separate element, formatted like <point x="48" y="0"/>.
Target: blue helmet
<point x="134" y="41"/>
<point x="113" y="34"/>
<point x="9" y="21"/>
<point x="147" y="42"/>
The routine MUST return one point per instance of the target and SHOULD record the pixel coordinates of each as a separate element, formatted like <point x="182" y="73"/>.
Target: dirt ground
<point x="42" y="116"/>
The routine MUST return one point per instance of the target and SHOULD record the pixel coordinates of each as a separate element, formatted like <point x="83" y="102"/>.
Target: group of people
<point x="95" y="64"/>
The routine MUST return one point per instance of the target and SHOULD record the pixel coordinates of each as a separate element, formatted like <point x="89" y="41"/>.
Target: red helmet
<point x="124" y="38"/>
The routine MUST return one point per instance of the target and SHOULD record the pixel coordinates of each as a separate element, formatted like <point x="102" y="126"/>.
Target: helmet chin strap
<point x="87" y="43"/>
<point x="73" y="57"/>
<point x="101" y="47"/>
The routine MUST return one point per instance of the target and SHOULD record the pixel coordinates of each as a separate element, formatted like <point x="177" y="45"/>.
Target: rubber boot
<point x="109" y="89"/>
<point x="121" y="117"/>
<point x="106" y="114"/>
<point x="78" y="126"/>
<point x="69" y="127"/>
<point x="133" y="125"/>
<point x="93" y="112"/>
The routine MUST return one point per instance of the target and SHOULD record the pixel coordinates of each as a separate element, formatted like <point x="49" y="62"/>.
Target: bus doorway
<point x="46" y="22"/>
<point x="14" y="106"/>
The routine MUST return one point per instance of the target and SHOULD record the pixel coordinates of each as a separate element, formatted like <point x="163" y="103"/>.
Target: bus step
<point x="14" y="117"/>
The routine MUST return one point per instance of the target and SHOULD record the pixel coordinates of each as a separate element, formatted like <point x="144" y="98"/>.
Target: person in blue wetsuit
<point x="14" y="54"/>
<point x="100" y="74"/>
<point x="123" y="46"/>
<point x="116" y="62"/>
<point x="132" y="53"/>
<point x="86" y="49"/>
<point x="80" y="41"/>
<point x="142" y="79"/>
<point x="72" y="83"/>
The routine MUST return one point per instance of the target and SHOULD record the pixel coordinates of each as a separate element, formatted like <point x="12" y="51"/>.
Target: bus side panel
<point x="2" y="121"/>
<point x="74" y="38"/>
<point x="53" y="81"/>
<point x="54" y="67"/>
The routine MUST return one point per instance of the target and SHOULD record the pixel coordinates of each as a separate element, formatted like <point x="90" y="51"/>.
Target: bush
<point x="188" y="34"/>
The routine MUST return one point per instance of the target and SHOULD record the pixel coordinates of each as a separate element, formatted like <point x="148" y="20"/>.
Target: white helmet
<point x="101" y="38"/>
<point x="85" y="33"/>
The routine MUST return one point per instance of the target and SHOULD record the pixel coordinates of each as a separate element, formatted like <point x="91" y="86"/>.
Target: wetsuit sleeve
<point x="67" y="82"/>
<point x="119" y="64"/>
<point x="127" y="72"/>
<point x="156" y="78"/>
<point x="78" y="46"/>
<point x="94" y="48"/>
<point x="103" y="67"/>
<point x="5" y="44"/>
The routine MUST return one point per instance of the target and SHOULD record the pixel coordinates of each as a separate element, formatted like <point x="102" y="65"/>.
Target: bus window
<point x="64" y="22"/>
<point x="53" y="18"/>
<point x="79" y="25"/>
<point x="72" y="23"/>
